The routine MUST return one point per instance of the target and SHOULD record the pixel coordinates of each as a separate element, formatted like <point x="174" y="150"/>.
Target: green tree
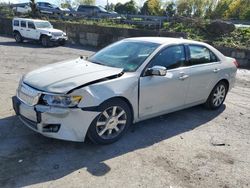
<point x="220" y="9"/>
<point x="237" y="9"/>
<point x="184" y="8"/>
<point x="85" y="2"/>
<point x="127" y="8"/>
<point x="110" y="7"/>
<point x="170" y="9"/>
<point x="152" y="7"/>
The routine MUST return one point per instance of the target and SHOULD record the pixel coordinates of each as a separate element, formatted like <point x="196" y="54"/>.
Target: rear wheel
<point x="111" y="123"/>
<point x="217" y="96"/>
<point x="18" y="37"/>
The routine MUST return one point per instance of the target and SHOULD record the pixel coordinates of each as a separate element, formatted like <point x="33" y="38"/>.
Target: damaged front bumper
<point x="55" y="122"/>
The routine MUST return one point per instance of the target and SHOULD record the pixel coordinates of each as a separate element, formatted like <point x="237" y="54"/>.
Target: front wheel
<point x="62" y="43"/>
<point x="45" y="41"/>
<point x="217" y="96"/>
<point x="111" y="123"/>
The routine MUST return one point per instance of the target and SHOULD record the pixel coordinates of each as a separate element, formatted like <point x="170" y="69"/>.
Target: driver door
<point x="162" y="94"/>
<point x="32" y="33"/>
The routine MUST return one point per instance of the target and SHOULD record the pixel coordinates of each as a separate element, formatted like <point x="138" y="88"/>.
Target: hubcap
<point x="111" y="122"/>
<point x="219" y="95"/>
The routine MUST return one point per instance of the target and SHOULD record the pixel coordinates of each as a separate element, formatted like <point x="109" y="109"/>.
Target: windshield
<point x="102" y="9"/>
<point x="43" y="25"/>
<point x="128" y="55"/>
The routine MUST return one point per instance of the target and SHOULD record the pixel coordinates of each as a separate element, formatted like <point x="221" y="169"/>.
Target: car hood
<point x="65" y="76"/>
<point x="52" y="30"/>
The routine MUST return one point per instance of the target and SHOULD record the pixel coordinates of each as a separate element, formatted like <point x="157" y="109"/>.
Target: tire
<point x="18" y="37"/>
<point x="111" y="123"/>
<point x="217" y="96"/>
<point x="62" y="43"/>
<point x="45" y="41"/>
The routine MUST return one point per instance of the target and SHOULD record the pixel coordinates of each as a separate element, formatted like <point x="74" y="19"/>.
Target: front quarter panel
<point x="125" y="86"/>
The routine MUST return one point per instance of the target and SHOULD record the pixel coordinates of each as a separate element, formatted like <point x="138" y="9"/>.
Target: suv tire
<point x="45" y="41"/>
<point x="18" y="37"/>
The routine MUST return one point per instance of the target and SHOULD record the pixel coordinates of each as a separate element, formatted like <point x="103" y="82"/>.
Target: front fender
<point x="125" y="87"/>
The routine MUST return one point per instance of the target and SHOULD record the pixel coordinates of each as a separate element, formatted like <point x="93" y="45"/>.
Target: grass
<point x="239" y="38"/>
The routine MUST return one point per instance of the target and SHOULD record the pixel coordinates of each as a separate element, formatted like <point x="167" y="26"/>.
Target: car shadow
<point x="28" y="158"/>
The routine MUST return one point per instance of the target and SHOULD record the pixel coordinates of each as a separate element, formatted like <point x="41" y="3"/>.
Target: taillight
<point x="236" y="63"/>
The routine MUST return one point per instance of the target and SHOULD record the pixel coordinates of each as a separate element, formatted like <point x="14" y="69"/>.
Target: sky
<point x="98" y="2"/>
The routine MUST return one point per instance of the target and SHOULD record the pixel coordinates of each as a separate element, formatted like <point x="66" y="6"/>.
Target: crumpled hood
<point x="65" y="76"/>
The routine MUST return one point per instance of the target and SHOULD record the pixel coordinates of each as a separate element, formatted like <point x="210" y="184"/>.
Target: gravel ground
<point x="190" y="148"/>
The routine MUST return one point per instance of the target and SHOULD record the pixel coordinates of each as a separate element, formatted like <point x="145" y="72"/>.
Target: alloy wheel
<point x="219" y="95"/>
<point x="111" y="122"/>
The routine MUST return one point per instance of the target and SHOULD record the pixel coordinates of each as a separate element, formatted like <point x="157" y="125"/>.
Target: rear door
<point x="203" y="67"/>
<point x="23" y="29"/>
<point x="159" y="94"/>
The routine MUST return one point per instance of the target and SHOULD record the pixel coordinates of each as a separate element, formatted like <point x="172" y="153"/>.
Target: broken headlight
<point x="62" y="101"/>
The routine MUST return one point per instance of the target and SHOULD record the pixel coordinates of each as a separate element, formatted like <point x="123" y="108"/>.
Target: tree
<point x="127" y="8"/>
<point x="237" y="9"/>
<point x="152" y="7"/>
<point x="85" y="2"/>
<point x="184" y="8"/>
<point x="221" y="8"/>
<point x="33" y="7"/>
<point x="110" y="7"/>
<point x="170" y="9"/>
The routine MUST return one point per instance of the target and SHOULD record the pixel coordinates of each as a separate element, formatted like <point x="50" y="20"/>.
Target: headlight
<point x="62" y="101"/>
<point x="64" y="33"/>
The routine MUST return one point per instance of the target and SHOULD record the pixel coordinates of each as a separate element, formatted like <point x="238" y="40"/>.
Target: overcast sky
<point x="98" y="2"/>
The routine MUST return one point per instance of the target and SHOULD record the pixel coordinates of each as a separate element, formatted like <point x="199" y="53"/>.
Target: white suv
<point x="39" y="30"/>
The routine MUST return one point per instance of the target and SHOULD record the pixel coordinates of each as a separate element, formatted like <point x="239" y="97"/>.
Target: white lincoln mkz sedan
<point x="126" y="82"/>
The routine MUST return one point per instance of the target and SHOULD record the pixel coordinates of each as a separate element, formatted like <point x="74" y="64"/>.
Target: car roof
<point x="168" y="41"/>
<point x="28" y="19"/>
<point x="164" y="40"/>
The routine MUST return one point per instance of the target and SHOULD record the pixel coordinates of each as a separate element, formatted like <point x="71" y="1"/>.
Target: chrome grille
<point x="28" y="95"/>
<point x="58" y="34"/>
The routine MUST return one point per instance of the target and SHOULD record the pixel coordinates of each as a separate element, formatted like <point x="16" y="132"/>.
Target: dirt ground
<point x="190" y="148"/>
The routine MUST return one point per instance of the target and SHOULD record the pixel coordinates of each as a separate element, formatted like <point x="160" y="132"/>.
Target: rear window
<point x="16" y="23"/>
<point x="23" y="23"/>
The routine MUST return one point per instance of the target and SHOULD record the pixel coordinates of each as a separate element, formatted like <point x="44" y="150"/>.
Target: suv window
<point x="31" y="25"/>
<point x="200" y="55"/>
<point x="23" y="23"/>
<point x="16" y="23"/>
<point x="171" y="57"/>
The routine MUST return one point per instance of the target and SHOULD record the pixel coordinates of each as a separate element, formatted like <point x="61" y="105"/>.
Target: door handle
<point x="28" y="30"/>
<point x="216" y="70"/>
<point x="183" y="77"/>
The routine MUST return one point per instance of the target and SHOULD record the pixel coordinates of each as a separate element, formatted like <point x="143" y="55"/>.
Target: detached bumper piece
<point x="49" y="128"/>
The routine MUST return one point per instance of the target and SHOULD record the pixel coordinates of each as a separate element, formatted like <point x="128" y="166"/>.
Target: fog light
<point x="51" y="128"/>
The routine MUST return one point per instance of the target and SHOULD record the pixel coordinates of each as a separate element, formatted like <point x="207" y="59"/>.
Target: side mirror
<point x="156" y="71"/>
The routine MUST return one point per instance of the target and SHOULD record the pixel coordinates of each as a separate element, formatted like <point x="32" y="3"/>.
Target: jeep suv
<point x="39" y="30"/>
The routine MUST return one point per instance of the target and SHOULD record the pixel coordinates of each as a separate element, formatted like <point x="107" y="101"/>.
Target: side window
<point x="200" y="55"/>
<point x="16" y="23"/>
<point x="31" y="25"/>
<point x="23" y="23"/>
<point x="171" y="57"/>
